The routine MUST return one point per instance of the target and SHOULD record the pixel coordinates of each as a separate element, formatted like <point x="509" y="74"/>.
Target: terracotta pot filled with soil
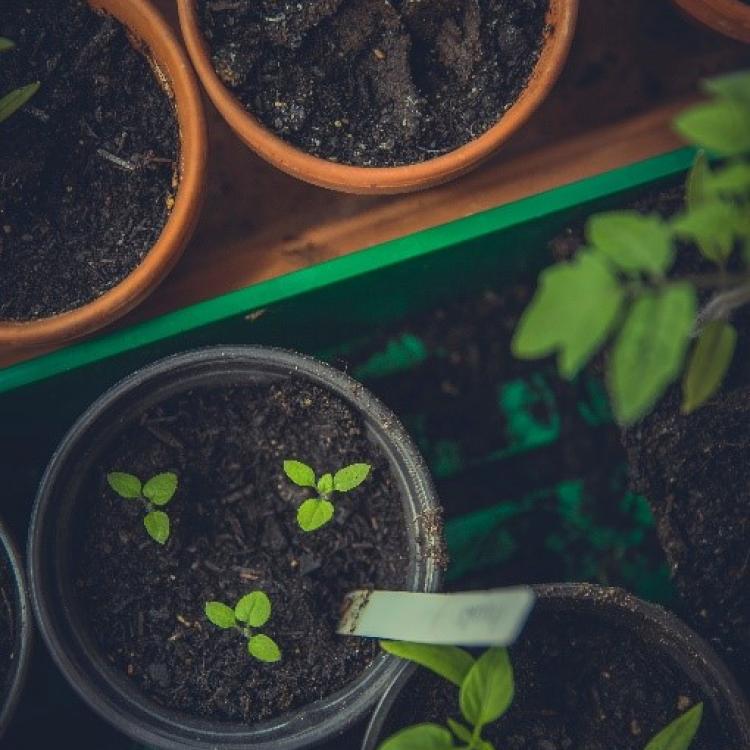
<point x="102" y="170"/>
<point x="367" y="96"/>
<point x="15" y="629"/>
<point x="728" y="17"/>
<point x="125" y="610"/>
<point x="595" y="668"/>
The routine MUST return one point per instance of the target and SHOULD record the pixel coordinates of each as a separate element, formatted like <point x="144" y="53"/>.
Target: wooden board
<point x="633" y="65"/>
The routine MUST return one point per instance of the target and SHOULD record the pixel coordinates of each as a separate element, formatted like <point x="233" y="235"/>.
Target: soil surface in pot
<point x="376" y="82"/>
<point x="234" y="530"/>
<point x="87" y="168"/>
<point x="581" y="684"/>
<point x="693" y="469"/>
<point x="7" y="624"/>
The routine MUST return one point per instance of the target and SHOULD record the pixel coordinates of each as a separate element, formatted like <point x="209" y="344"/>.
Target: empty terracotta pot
<point x="561" y="20"/>
<point x="728" y="17"/>
<point x="146" y="25"/>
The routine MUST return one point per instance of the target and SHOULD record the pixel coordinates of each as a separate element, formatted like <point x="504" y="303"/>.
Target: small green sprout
<point x="252" y="611"/>
<point x="486" y="690"/>
<point x="156" y="493"/>
<point x="14" y="100"/>
<point x="318" y="511"/>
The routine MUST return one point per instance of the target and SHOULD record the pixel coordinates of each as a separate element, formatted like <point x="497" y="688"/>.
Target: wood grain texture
<point x="634" y="64"/>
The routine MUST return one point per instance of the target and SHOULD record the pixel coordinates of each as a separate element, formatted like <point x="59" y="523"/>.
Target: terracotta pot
<point x="167" y="55"/>
<point x="728" y="17"/>
<point x="372" y="180"/>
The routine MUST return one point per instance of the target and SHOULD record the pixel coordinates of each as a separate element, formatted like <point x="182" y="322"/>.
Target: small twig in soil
<point x="116" y="160"/>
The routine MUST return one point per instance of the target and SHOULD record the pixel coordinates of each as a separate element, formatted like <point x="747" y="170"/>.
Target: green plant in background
<point x="155" y="493"/>
<point x="14" y="100"/>
<point x="486" y="691"/>
<point x="252" y="611"/>
<point x="318" y="511"/>
<point x="618" y="288"/>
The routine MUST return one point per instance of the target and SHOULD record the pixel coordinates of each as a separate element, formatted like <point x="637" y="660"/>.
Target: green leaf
<point x="314" y="513"/>
<point x="420" y="737"/>
<point x="301" y="474"/>
<point x="264" y="648"/>
<point x="732" y="180"/>
<point x="325" y="484"/>
<point x="487" y="691"/>
<point x="220" y="615"/>
<point x="157" y="525"/>
<point x="253" y="609"/>
<point x="125" y="485"/>
<point x="680" y="733"/>
<point x="16" y="99"/>
<point x="6" y="44"/>
<point x="634" y="243"/>
<point x="574" y="309"/>
<point x="160" y="489"/>
<point x="350" y="477"/>
<point x="696" y="187"/>
<point x="463" y="733"/>
<point x="450" y="662"/>
<point x="722" y="126"/>
<point x="733" y="86"/>
<point x="650" y="350"/>
<point x="708" y="364"/>
<point x="711" y="228"/>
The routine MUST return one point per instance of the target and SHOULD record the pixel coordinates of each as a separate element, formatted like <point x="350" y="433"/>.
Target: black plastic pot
<point x="650" y="623"/>
<point x="66" y="633"/>
<point x="10" y="692"/>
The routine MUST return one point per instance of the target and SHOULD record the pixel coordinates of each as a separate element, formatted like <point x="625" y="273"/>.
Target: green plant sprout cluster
<point x="318" y="511"/>
<point x="252" y="611"/>
<point x="618" y="288"/>
<point x="486" y="691"/>
<point x="15" y="99"/>
<point x="155" y="493"/>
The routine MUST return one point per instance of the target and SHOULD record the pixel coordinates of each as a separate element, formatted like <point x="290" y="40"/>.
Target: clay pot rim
<point x="649" y="622"/>
<point x="728" y="17"/>
<point x="561" y="19"/>
<point x="171" y="62"/>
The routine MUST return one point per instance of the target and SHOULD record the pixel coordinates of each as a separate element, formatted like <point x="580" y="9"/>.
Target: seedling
<point x="486" y="690"/>
<point x="619" y="288"/>
<point x="14" y="100"/>
<point x="251" y="612"/>
<point x="318" y="511"/>
<point x="156" y="493"/>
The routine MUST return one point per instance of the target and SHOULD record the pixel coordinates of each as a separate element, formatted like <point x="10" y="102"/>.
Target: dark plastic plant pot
<point x="650" y="623"/>
<point x="10" y="692"/>
<point x="66" y="633"/>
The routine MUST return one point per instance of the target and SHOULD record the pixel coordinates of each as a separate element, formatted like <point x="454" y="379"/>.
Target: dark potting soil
<point x="376" y="82"/>
<point x="693" y="470"/>
<point x="234" y="530"/>
<point x="7" y="624"/>
<point x="580" y="684"/>
<point x="87" y="168"/>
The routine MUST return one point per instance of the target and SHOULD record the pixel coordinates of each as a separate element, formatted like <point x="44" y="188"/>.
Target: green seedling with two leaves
<point x="252" y="611"/>
<point x="621" y="290"/>
<point x="318" y="511"/>
<point x="486" y="689"/>
<point x="154" y="494"/>
<point x="14" y="100"/>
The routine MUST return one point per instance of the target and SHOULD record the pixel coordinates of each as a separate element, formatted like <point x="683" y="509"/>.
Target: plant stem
<point x="724" y="304"/>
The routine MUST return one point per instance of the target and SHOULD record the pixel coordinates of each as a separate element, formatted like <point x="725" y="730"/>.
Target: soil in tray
<point x="234" y="530"/>
<point x="7" y="624"/>
<point x="87" y="168"/>
<point x="580" y="684"/>
<point x="374" y="82"/>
